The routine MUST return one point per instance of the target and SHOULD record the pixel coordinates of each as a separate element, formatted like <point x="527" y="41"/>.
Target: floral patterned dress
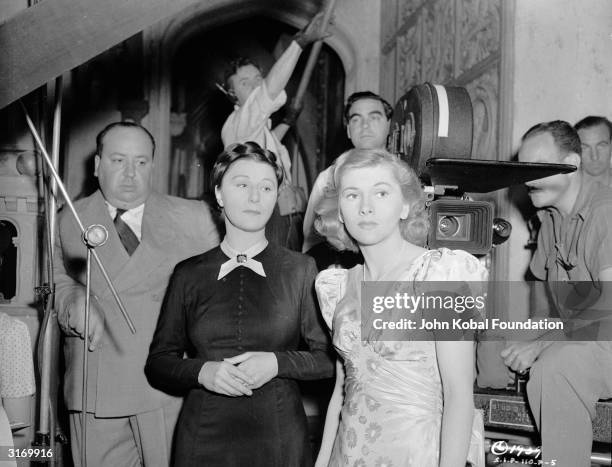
<point x="392" y="411"/>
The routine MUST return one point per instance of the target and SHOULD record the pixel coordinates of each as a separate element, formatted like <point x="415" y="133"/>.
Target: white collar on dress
<point x="244" y="258"/>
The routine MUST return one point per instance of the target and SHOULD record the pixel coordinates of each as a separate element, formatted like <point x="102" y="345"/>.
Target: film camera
<point x="432" y="130"/>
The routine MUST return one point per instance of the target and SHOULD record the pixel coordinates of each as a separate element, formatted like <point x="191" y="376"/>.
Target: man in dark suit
<point x="128" y="422"/>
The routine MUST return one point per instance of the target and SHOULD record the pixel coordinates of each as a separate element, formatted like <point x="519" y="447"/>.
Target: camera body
<point x="461" y="224"/>
<point x="432" y="130"/>
<point x="434" y="121"/>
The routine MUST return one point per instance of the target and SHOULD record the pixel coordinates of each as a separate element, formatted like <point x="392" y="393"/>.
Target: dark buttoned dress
<point x="212" y="319"/>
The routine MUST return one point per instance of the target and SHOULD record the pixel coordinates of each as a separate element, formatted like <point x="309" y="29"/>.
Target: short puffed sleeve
<point x="459" y="273"/>
<point x="453" y="265"/>
<point x="330" y="286"/>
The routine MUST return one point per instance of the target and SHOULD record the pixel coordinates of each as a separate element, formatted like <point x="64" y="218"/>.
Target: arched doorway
<point x="198" y="108"/>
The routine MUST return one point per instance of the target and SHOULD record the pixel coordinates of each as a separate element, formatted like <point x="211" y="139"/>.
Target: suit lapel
<point x="158" y="238"/>
<point x="112" y="254"/>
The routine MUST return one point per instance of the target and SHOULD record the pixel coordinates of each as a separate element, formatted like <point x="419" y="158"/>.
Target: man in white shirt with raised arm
<point x="256" y="98"/>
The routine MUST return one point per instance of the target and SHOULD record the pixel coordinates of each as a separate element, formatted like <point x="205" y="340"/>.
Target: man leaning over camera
<point x="574" y="248"/>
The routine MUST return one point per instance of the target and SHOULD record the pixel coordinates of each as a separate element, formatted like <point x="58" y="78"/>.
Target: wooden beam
<point x="54" y="36"/>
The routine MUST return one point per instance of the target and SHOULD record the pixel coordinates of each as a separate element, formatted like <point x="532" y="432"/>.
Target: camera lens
<point x="448" y="226"/>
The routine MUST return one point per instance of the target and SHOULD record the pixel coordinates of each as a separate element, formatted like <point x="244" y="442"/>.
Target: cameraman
<point x="574" y="248"/>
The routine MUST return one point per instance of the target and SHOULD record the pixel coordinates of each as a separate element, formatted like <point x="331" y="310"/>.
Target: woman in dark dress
<point x="240" y="311"/>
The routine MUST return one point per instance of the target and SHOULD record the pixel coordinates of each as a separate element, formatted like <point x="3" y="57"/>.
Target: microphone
<point x="95" y="235"/>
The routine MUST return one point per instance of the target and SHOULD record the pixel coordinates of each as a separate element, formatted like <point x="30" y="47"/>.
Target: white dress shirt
<point x="132" y="217"/>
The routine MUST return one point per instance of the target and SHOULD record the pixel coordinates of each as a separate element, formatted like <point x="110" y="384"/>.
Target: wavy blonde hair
<point x="327" y="221"/>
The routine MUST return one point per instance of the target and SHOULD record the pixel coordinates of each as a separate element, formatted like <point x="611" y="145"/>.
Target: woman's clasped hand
<point x="225" y="378"/>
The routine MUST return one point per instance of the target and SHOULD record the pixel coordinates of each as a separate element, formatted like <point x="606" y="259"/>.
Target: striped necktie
<point x="126" y="234"/>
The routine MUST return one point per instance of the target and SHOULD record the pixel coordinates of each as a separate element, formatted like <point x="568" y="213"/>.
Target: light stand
<point x="94" y="236"/>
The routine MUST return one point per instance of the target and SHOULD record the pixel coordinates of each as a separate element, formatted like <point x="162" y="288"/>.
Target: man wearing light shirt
<point x="573" y="267"/>
<point x="256" y="98"/>
<point x="132" y="217"/>
<point x="596" y="140"/>
<point x="367" y="117"/>
<point x="128" y="422"/>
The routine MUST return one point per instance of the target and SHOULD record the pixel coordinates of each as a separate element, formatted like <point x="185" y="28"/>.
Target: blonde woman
<point x="402" y="403"/>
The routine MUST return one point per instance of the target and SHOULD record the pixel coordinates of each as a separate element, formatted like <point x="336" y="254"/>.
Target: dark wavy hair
<point x="357" y="96"/>
<point x="232" y="68"/>
<point x="592" y="121"/>
<point x="565" y="136"/>
<point x="248" y="150"/>
<point x="327" y="222"/>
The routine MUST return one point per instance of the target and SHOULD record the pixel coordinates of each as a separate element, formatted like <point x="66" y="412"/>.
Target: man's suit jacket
<point x="172" y="229"/>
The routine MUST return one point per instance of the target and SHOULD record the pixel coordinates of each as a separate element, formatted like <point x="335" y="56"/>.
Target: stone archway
<point x="163" y="40"/>
<point x="199" y="108"/>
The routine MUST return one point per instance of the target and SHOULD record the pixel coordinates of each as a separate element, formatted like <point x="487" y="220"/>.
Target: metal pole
<point x="314" y="54"/>
<point x="55" y="152"/>
<point x="85" y="358"/>
<point x="95" y="235"/>
<point x="62" y="189"/>
<point x="48" y="323"/>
